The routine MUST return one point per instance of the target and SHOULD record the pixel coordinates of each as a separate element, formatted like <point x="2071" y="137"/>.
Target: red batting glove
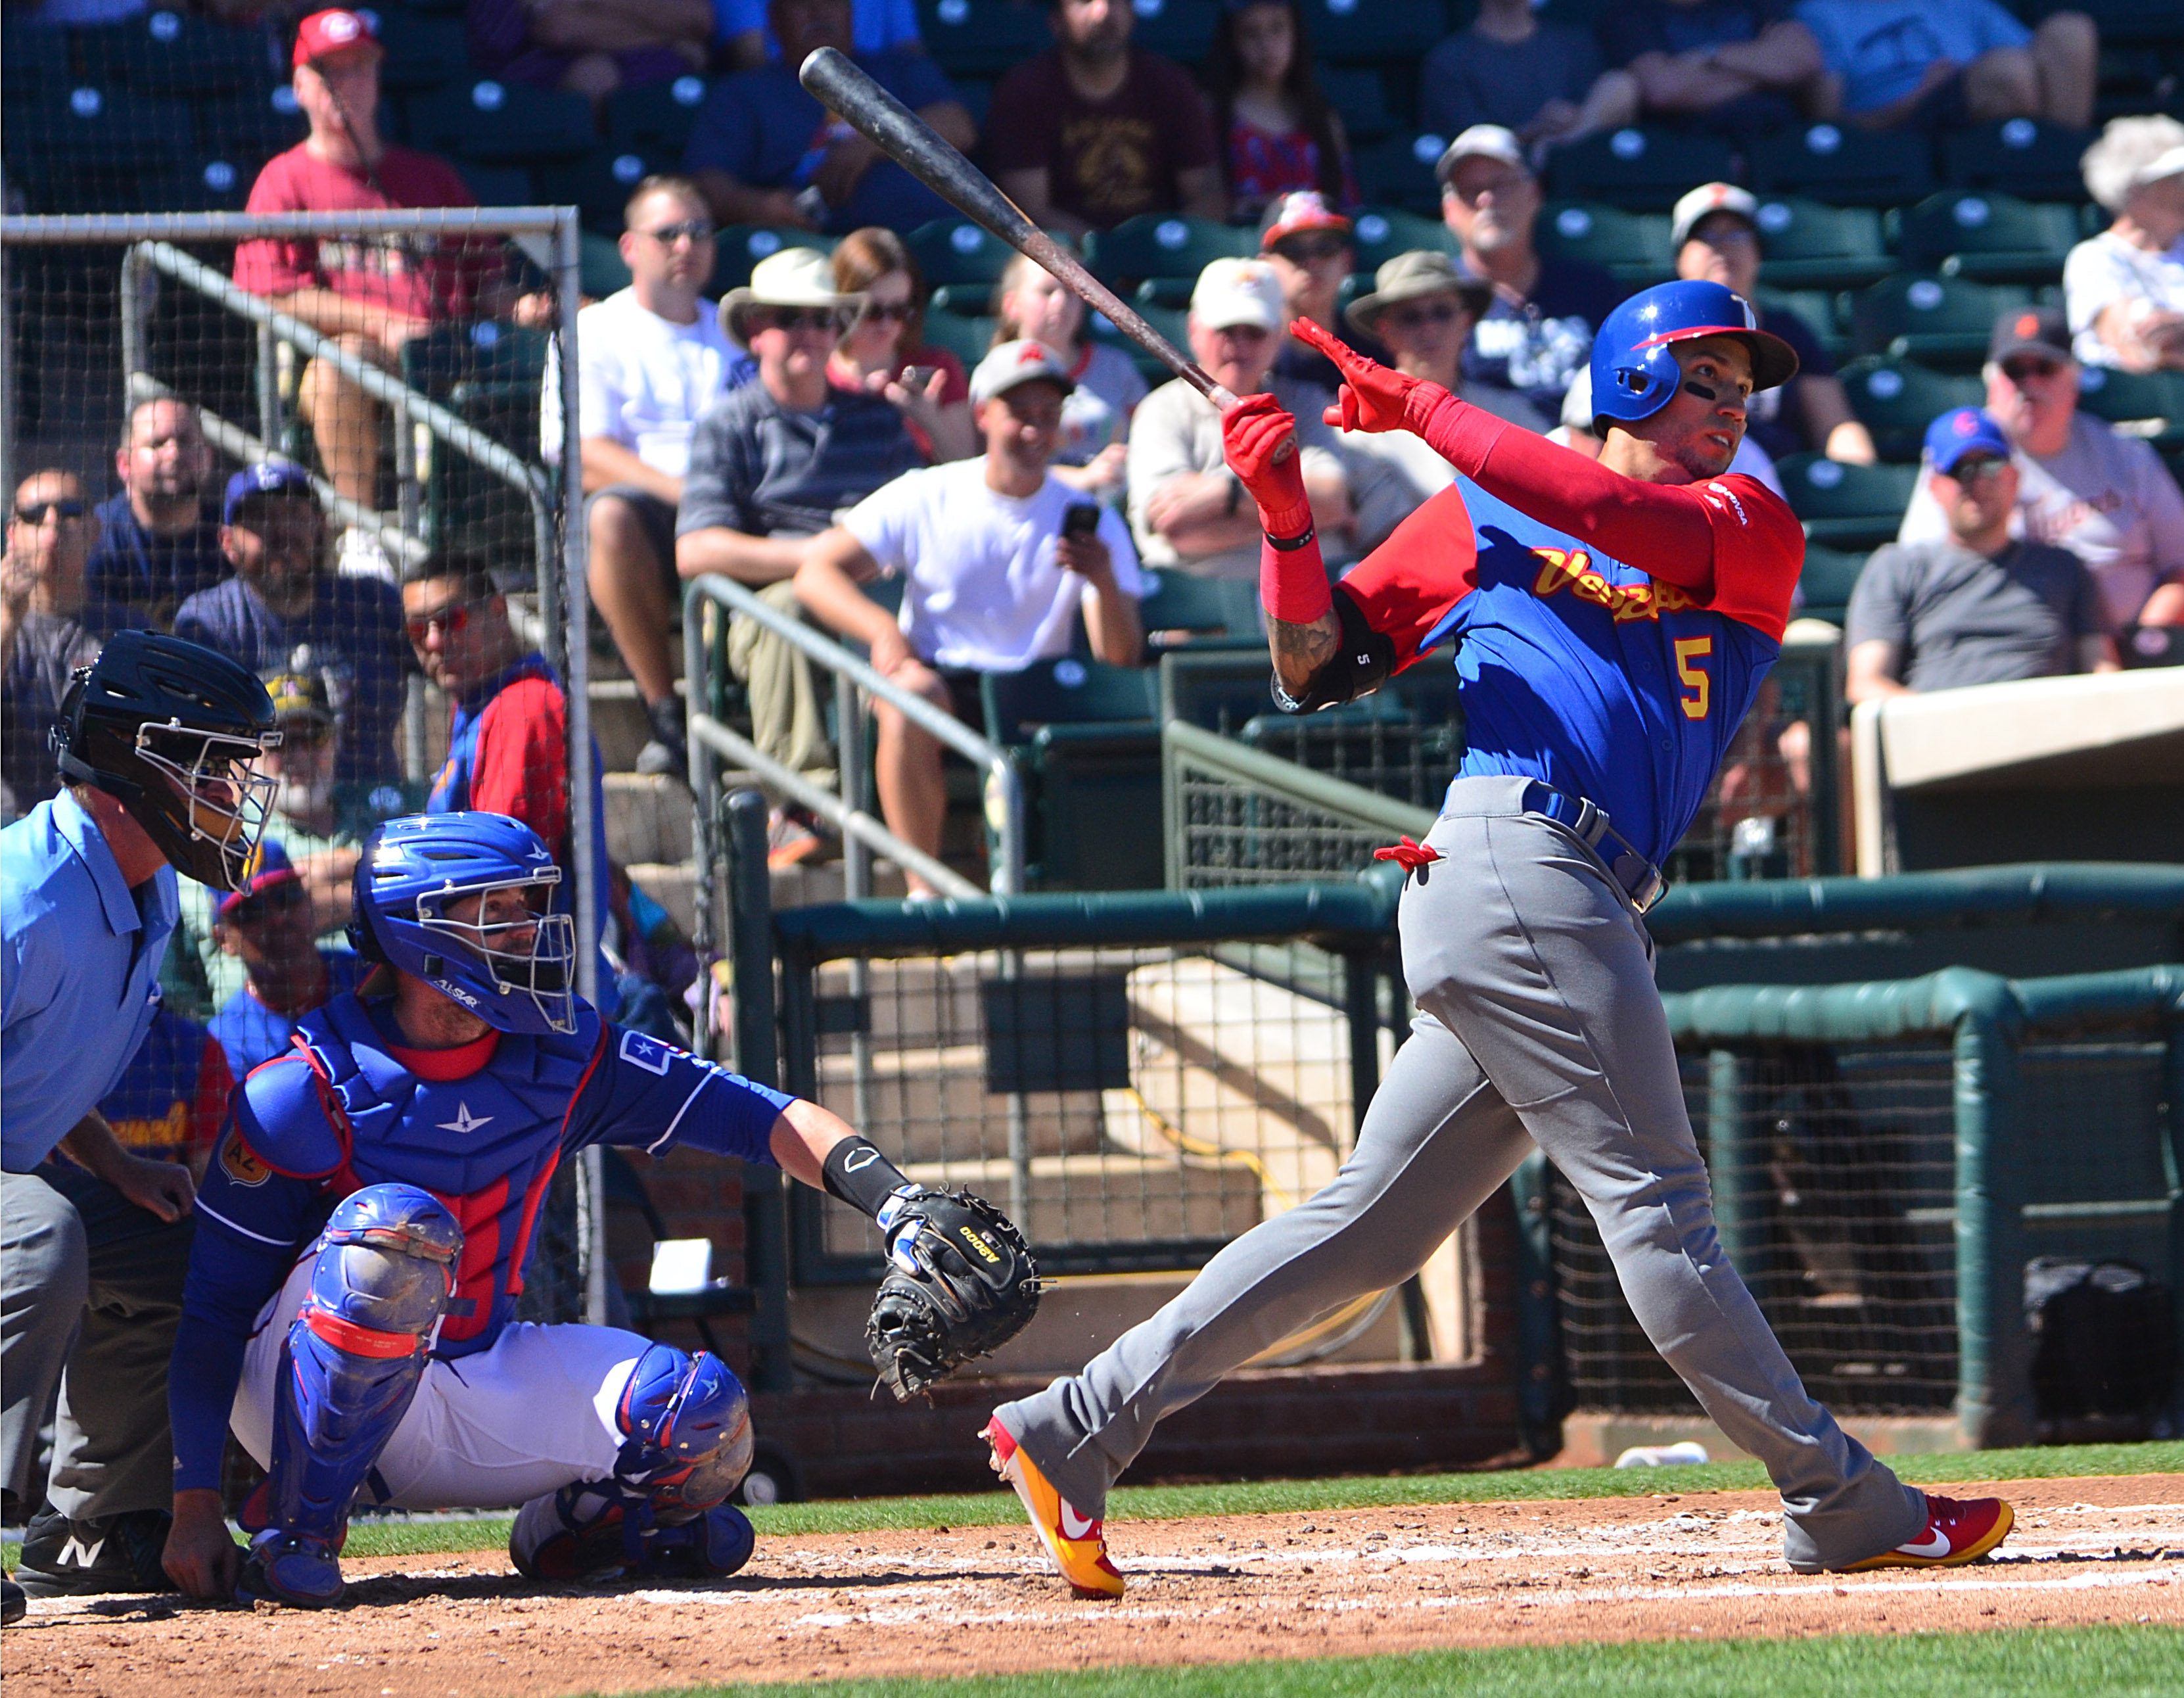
<point x="1258" y="440"/>
<point x="1373" y="398"/>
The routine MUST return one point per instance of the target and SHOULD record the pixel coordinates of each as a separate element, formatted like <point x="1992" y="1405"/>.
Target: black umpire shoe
<point x="14" y="1605"/>
<point x="64" y="1558"/>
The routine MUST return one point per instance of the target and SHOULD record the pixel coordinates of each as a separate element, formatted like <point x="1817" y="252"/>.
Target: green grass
<point x="2081" y="1662"/>
<point x="373" y="1536"/>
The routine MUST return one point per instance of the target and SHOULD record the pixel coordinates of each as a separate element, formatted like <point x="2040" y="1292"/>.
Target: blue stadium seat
<point x="956" y="253"/>
<point x="1846" y="166"/>
<point x="2037" y="161"/>
<point x="77" y="134"/>
<point x="1384" y="231"/>
<point x="1944" y="322"/>
<point x="500" y="184"/>
<point x="1361" y="97"/>
<point x="1846" y="506"/>
<point x="1896" y="400"/>
<point x="1170" y="321"/>
<point x="503" y="123"/>
<point x="259" y="121"/>
<point x="742" y="246"/>
<point x="1807" y="245"/>
<point x="1179" y="600"/>
<point x="2126" y="23"/>
<point x="168" y="52"/>
<point x="1180" y="30"/>
<point x="31" y="58"/>
<point x="1373" y="32"/>
<point x="1829" y="577"/>
<point x="601" y="269"/>
<point x="1164" y="245"/>
<point x="655" y="119"/>
<point x="1087" y="738"/>
<point x="2147" y="405"/>
<point x="210" y="185"/>
<point x="966" y="337"/>
<point x="1399" y="172"/>
<point x="981" y="37"/>
<point x="1817" y="307"/>
<point x="1633" y="246"/>
<point x="422" y="52"/>
<point x="1986" y="235"/>
<point x="598" y="184"/>
<point x="1640" y="168"/>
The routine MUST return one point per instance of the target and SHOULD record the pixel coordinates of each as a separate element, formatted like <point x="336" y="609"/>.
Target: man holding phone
<point x="998" y="555"/>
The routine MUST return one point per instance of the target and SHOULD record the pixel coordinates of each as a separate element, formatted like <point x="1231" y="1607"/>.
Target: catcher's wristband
<point x="860" y="1176"/>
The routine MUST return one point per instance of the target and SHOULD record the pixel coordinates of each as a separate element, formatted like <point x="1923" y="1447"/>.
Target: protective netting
<point x="1227" y="831"/>
<point x="1839" y="1205"/>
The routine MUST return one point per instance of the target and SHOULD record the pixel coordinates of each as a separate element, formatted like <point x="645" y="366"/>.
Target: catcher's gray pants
<point x="90" y="1281"/>
<point x="1542" y="1024"/>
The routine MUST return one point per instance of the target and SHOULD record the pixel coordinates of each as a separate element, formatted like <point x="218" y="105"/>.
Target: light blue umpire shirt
<point x="79" y="973"/>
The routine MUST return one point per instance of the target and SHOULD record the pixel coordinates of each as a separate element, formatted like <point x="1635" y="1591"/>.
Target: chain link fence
<point x="314" y="443"/>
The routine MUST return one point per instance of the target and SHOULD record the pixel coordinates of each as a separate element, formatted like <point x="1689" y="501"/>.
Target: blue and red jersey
<point x="171" y="1098"/>
<point x="1611" y="635"/>
<point x="482" y="1128"/>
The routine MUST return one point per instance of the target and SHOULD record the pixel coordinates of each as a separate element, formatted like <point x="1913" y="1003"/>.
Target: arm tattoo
<point x="1301" y="651"/>
<point x="1336" y="658"/>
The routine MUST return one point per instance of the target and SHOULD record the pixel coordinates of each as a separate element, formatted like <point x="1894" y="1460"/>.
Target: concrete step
<point x="673" y="885"/>
<point x="936" y="1107"/>
<point x="618" y="726"/>
<point x="1102" y="1198"/>
<point x="648" y="819"/>
<point x="823" y="881"/>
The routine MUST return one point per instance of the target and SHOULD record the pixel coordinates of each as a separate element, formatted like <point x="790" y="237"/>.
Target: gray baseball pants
<point x="1541" y="1025"/>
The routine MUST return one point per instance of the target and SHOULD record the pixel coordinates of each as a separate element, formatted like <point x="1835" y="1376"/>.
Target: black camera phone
<point x="1080" y="521"/>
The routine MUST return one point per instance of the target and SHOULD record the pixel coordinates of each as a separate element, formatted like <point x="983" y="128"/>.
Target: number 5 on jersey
<point x="1689" y="652"/>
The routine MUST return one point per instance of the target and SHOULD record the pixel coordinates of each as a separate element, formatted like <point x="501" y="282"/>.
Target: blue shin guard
<point x="686" y="1443"/>
<point x="349" y="1367"/>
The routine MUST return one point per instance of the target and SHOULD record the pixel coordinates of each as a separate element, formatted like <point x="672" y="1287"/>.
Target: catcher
<point x="366" y="1225"/>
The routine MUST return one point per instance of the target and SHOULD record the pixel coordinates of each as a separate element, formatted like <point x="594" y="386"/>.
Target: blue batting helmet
<point x="413" y="869"/>
<point x="1633" y="370"/>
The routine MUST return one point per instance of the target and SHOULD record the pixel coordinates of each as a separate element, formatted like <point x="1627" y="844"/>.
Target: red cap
<point x="1303" y="209"/>
<point x="328" y="32"/>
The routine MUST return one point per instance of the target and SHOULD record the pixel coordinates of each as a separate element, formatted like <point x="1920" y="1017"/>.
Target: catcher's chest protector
<point x="486" y="1145"/>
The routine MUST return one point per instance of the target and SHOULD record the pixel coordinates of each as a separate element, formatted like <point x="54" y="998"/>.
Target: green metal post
<point x="766" y="1221"/>
<point x="2172" y="1164"/>
<point x="1730" y="1160"/>
<point x="1994" y="1397"/>
<point x="1540" y="1391"/>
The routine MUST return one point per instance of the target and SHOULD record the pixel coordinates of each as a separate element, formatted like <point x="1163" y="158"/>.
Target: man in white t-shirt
<point x="649" y="359"/>
<point x="2106" y="498"/>
<point x="992" y="581"/>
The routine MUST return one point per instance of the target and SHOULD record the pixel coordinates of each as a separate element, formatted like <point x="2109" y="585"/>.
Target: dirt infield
<point x="1341" y="1582"/>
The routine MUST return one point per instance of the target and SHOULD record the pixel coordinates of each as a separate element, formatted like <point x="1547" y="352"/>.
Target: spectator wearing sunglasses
<point x="50" y="624"/>
<point x="267" y="927"/>
<point x="883" y="351"/>
<point x="157" y="542"/>
<point x="2106" y="498"/>
<point x="770" y="466"/>
<point x="1422" y="309"/>
<point x="1308" y="244"/>
<point x="1538" y="333"/>
<point x="650" y="358"/>
<point x="1976" y="605"/>
<point x="283" y="596"/>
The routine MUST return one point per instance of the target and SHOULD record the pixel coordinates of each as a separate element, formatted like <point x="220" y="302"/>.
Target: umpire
<point x="157" y="743"/>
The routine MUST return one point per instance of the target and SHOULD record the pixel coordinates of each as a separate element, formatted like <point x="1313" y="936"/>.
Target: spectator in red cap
<point x="372" y="294"/>
<point x="1307" y="243"/>
<point x="1276" y="132"/>
<point x="267" y="925"/>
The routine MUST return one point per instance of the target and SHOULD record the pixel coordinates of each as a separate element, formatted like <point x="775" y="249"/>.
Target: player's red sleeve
<point x="208" y="1112"/>
<point x="1429" y="562"/>
<point x="1758" y="551"/>
<point x="1662" y="529"/>
<point x="523" y="764"/>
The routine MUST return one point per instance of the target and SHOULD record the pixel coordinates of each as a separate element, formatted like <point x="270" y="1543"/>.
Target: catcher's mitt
<point x="960" y="1283"/>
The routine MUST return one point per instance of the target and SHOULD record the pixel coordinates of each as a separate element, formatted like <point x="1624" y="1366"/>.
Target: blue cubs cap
<point x="268" y="477"/>
<point x="1966" y="430"/>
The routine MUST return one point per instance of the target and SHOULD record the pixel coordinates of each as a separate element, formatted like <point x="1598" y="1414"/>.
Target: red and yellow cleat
<point x="1955" y="1533"/>
<point x="1078" y="1546"/>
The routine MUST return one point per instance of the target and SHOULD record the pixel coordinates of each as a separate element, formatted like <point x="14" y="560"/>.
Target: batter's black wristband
<point x="860" y="1176"/>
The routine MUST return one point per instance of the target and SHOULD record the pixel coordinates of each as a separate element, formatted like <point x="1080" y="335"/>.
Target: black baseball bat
<point x="908" y="140"/>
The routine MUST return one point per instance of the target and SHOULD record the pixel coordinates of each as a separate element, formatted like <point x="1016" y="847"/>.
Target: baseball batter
<point x="368" y="1222"/>
<point x="1612" y="621"/>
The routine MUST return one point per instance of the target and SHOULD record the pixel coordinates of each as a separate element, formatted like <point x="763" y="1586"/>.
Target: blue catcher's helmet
<point x="1633" y="370"/>
<point x="413" y="869"/>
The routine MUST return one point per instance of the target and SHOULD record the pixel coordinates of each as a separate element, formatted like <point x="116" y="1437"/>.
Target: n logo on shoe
<point x="77" y="1552"/>
<point x="1074" y="1526"/>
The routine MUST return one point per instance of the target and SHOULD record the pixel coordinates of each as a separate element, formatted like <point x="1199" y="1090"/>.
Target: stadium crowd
<point x="808" y="433"/>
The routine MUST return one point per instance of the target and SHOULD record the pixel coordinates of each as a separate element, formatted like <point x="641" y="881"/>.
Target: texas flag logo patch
<point x="649" y="1052"/>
